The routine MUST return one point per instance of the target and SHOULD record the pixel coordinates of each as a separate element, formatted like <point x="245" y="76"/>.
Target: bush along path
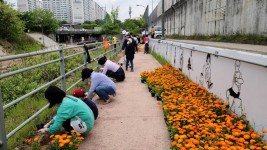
<point x="197" y="119"/>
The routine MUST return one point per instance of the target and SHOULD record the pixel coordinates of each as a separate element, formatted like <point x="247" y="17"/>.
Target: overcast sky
<point x="123" y="6"/>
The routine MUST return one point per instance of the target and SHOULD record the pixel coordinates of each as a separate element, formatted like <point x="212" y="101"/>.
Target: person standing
<point x="146" y="41"/>
<point x="72" y="113"/>
<point x="115" y="41"/>
<point x="152" y="32"/>
<point x="111" y="69"/>
<point x="128" y="45"/>
<point x="102" y="85"/>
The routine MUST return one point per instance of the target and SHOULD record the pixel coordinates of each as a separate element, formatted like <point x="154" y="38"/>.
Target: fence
<point x="238" y="77"/>
<point x="95" y="48"/>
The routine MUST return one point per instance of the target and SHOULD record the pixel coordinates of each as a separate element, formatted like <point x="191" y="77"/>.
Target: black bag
<point x="88" y="59"/>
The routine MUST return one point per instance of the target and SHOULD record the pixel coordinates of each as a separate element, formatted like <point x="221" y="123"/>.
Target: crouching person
<point x="80" y="93"/>
<point x="100" y="84"/>
<point x="72" y="113"/>
<point x="111" y="69"/>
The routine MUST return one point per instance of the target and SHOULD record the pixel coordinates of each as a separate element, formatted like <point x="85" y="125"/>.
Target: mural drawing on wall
<point x="190" y="61"/>
<point x="205" y="75"/>
<point x="233" y="93"/>
<point x="174" y="59"/>
<point x="181" y="60"/>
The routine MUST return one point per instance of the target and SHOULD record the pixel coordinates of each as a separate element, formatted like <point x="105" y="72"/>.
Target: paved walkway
<point x="259" y="49"/>
<point x="133" y="120"/>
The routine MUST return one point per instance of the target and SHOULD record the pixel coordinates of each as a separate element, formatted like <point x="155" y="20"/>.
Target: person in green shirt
<point x="72" y="113"/>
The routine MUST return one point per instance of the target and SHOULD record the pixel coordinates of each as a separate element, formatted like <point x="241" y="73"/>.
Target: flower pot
<point x="158" y="98"/>
<point x="152" y="94"/>
<point x="143" y="81"/>
<point x="149" y="89"/>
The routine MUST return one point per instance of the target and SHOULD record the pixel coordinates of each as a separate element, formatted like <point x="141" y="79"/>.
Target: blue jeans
<point x="104" y="91"/>
<point x="127" y="63"/>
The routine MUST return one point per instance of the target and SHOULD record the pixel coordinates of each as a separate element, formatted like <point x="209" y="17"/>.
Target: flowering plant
<point x="197" y="119"/>
<point x="65" y="141"/>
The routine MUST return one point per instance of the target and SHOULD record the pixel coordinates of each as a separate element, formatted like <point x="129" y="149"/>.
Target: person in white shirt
<point x="111" y="69"/>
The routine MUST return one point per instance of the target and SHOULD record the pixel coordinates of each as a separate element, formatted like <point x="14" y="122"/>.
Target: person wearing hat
<point x="80" y="93"/>
<point x="72" y="113"/>
<point x="129" y="47"/>
<point x="111" y="69"/>
<point x="102" y="85"/>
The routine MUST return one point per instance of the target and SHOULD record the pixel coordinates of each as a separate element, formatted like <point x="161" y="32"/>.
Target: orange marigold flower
<point x="36" y="139"/>
<point x="61" y="144"/>
<point x="264" y="131"/>
<point x="51" y="136"/>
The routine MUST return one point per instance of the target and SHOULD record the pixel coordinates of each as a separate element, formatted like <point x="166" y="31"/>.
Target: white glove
<point x="48" y="124"/>
<point x="43" y="130"/>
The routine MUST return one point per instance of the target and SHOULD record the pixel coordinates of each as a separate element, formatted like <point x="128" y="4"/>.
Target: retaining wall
<point x="235" y="76"/>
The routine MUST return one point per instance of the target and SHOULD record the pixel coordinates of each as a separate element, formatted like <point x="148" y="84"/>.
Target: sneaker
<point x="108" y="101"/>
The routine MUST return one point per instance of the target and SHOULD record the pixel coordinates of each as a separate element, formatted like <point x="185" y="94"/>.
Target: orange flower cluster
<point x="66" y="142"/>
<point x="197" y="119"/>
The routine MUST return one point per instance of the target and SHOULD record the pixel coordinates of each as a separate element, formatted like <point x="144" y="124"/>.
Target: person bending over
<point x="72" y="113"/>
<point x="102" y="85"/>
<point x="111" y="69"/>
<point x="80" y="93"/>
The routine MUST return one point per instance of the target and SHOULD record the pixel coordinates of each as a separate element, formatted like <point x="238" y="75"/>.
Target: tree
<point x="133" y="25"/>
<point x="100" y="22"/>
<point x="114" y="15"/>
<point x="11" y="27"/>
<point x="40" y="19"/>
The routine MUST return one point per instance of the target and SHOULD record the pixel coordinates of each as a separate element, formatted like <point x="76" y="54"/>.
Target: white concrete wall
<point x="235" y="76"/>
<point x="189" y="17"/>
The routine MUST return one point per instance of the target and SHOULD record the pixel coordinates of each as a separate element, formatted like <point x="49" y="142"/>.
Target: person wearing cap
<point x="129" y="47"/>
<point x="72" y="113"/>
<point x="102" y="85"/>
<point x="80" y="93"/>
<point x="111" y="69"/>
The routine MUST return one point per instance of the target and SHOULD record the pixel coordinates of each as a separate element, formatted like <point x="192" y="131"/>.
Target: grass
<point x="234" y="38"/>
<point x="24" y="45"/>
<point x="159" y="58"/>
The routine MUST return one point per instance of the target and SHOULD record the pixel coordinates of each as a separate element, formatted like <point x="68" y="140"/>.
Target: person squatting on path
<point x="72" y="113"/>
<point x="128" y="46"/>
<point x="80" y="93"/>
<point x="111" y="69"/>
<point x="102" y="85"/>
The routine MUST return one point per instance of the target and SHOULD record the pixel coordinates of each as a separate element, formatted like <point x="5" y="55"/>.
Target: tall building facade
<point x="28" y="5"/>
<point x="72" y="11"/>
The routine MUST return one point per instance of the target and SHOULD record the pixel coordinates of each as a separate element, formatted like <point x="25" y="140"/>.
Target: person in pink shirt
<point x="146" y="41"/>
<point x="111" y="69"/>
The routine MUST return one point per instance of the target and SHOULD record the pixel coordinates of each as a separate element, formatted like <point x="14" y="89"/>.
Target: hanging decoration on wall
<point x="181" y="59"/>
<point x="205" y="75"/>
<point x="233" y="93"/>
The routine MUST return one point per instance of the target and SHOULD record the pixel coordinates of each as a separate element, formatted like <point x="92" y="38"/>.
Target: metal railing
<point x="110" y="53"/>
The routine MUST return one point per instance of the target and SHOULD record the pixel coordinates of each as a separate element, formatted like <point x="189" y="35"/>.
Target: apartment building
<point x="72" y="11"/>
<point x="28" y="5"/>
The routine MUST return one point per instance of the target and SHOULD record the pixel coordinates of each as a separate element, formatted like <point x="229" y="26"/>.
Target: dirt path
<point x="133" y="120"/>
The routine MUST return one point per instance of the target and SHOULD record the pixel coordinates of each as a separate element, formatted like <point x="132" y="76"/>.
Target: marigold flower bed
<point x="197" y="119"/>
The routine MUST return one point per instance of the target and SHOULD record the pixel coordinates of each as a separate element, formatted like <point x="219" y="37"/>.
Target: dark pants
<point x="146" y="48"/>
<point x="115" y="46"/>
<point x="104" y="91"/>
<point x="119" y="75"/>
<point x="66" y="125"/>
<point x="127" y="64"/>
<point x="92" y="106"/>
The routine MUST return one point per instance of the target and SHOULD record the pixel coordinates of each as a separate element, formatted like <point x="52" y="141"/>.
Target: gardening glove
<point x="48" y="124"/>
<point x="43" y="130"/>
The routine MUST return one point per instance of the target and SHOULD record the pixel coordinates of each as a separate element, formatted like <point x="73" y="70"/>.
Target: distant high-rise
<point x="28" y="5"/>
<point x="72" y="11"/>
